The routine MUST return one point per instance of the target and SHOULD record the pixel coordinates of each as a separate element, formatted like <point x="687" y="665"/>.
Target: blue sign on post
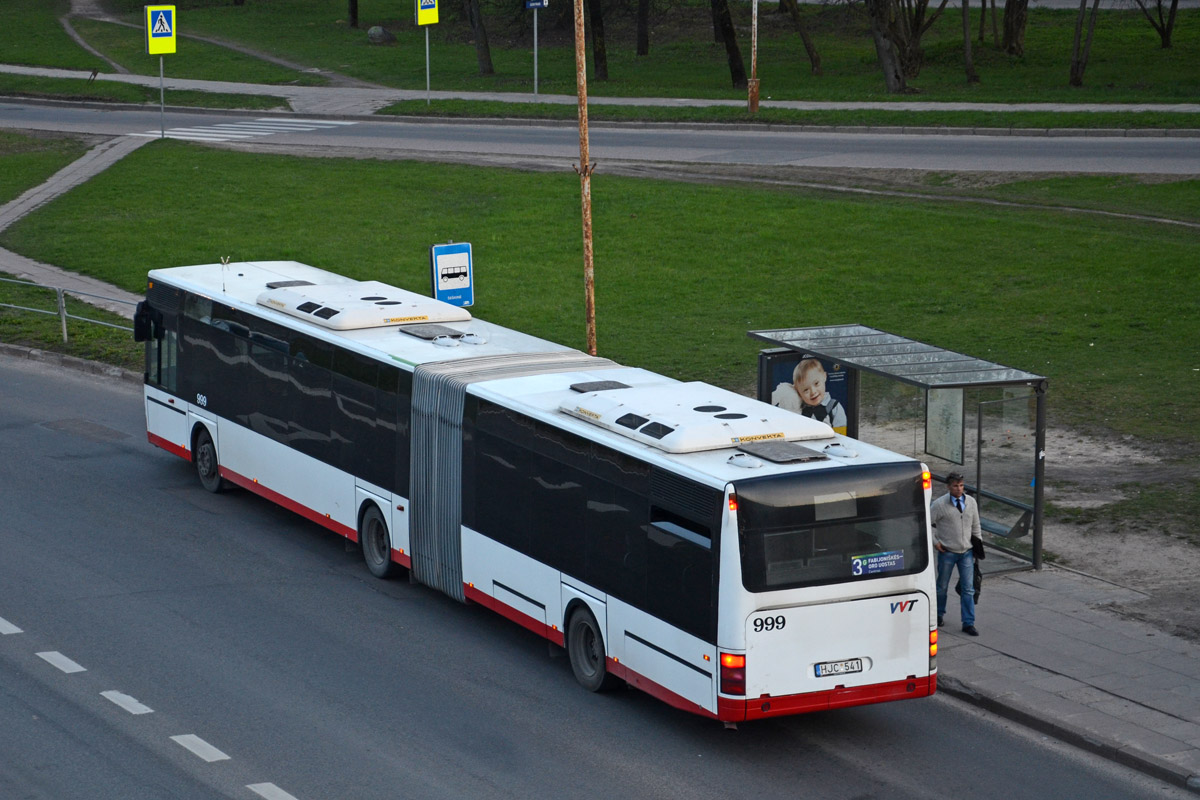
<point x="537" y="3"/>
<point x="450" y="273"/>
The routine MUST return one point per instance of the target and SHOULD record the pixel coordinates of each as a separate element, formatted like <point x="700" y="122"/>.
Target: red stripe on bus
<point x="170" y="447"/>
<point x="508" y="612"/>
<point x="402" y="559"/>
<point x="760" y="708"/>
<point x="656" y="690"/>
<point x="289" y="504"/>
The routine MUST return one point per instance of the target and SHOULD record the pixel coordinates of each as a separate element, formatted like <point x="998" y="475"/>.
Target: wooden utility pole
<point x="585" y="182"/>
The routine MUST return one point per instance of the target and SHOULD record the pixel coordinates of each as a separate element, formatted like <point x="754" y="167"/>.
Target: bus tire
<point x="585" y="647"/>
<point x="204" y="456"/>
<point x="376" y="544"/>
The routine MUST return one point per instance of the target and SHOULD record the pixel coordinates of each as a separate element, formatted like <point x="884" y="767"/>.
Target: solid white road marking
<point x="126" y="702"/>
<point x="200" y="747"/>
<point x="270" y="791"/>
<point x="62" y="662"/>
<point x="7" y="627"/>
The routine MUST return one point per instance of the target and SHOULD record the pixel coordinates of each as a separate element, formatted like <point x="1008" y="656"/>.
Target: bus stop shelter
<point x="943" y="375"/>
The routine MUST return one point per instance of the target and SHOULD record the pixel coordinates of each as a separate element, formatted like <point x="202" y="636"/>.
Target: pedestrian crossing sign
<point x="160" y="30"/>
<point x="427" y="12"/>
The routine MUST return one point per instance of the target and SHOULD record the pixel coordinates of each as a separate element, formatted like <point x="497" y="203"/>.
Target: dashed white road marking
<point x="126" y="702"/>
<point x="269" y="791"/>
<point x="62" y="662"/>
<point x="229" y="131"/>
<point x="7" y="627"/>
<point x="200" y="747"/>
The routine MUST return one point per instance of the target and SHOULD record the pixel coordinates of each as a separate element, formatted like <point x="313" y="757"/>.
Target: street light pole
<point x="585" y="169"/>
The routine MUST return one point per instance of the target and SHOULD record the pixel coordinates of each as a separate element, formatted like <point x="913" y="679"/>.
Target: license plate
<point x="838" y="667"/>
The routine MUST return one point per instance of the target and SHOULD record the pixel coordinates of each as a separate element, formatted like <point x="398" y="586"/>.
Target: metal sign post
<point x="752" y="87"/>
<point x="160" y="39"/>
<point x="585" y="170"/>
<point x="535" y="5"/>
<point x="427" y="14"/>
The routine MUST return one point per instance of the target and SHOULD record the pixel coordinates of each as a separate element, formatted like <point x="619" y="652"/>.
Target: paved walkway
<point x="353" y="101"/>
<point x="1052" y="654"/>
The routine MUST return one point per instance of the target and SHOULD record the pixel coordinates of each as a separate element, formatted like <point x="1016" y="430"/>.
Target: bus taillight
<point x="733" y="674"/>
<point x="732" y="501"/>
<point x="932" y="643"/>
<point x="926" y="480"/>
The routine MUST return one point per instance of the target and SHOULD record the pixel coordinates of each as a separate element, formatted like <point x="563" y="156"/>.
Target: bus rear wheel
<point x="585" y="647"/>
<point x="205" y="459"/>
<point x="376" y="544"/>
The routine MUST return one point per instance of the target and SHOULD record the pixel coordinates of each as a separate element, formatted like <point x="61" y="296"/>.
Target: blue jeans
<point x="946" y="561"/>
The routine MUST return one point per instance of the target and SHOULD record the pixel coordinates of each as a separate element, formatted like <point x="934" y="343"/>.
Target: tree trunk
<point x="885" y="52"/>
<point x="716" y="19"/>
<point x="982" y="17"/>
<point x="995" y="32"/>
<point x="643" y="28"/>
<point x="599" y="47"/>
<point x="1164" y="28"/>
<point x="1016" y="12"/>
<point x="1079" y="58"/>
<point x="968" y="61"/>
<point x="483" y="53"/>
<point x="737" y="69"/>
<point x="352" y="13"/>
<point x="810" y="48"/>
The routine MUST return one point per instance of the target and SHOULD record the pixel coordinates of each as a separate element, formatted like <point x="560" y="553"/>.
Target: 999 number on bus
<point x="770" y="623"/>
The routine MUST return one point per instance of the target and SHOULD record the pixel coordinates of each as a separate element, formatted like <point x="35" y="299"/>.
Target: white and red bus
<point x="733" y="559"/>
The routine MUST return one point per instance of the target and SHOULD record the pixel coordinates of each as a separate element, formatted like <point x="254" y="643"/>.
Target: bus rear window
<point x="832" y="526"/>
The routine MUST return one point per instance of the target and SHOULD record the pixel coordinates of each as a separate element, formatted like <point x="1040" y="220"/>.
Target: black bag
<point x="978" y="583"/>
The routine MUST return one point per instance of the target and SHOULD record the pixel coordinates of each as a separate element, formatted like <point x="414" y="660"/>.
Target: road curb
<point x="70" y="362"/>
<point x="1146" y="763"/>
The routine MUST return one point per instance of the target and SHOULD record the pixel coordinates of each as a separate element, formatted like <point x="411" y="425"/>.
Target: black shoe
<point x="969" y="630"/>
<point x="941" y="621"/>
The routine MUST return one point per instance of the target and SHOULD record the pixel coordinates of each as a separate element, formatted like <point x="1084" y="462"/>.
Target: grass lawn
<point x="784" y="116"/>
<point x="44" y="331"/>
<point x="111" y="92"/>
<point x="1126" y="65"/>
<point x="683" y="271"/>
<point x="193" y="59"/>
<point x="31" y="34"/>
<point x="29" y="160"/>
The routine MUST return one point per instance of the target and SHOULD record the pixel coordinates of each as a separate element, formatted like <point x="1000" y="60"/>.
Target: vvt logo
<point x="903" y="605"/>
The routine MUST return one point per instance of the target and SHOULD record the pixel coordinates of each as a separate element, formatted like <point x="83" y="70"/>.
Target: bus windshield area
<point x="832" y="526"/>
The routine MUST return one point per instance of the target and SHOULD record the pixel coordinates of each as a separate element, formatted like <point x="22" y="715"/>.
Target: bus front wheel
<point x="585" y="646"/>
<point x="376" y="545"/>
<point x="205" y="459"/>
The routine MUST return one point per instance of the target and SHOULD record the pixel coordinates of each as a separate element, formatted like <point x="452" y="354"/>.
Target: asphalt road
<point x="157" y="641"/>
<point x="559" y="144"/>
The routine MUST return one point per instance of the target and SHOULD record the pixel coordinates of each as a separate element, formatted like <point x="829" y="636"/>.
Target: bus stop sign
<point x="450" y="273"/>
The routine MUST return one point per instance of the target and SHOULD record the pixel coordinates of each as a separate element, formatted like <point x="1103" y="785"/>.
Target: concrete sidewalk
<point x="1053" y="654"/>
<point x="353" y="101"/>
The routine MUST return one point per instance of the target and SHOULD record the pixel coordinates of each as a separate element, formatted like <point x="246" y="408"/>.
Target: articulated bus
<point x="733" y="559"/>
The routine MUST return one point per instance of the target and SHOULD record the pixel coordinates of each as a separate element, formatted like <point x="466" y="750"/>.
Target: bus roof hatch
<point x="359" y="304"/>
<point x="690" y="417"/>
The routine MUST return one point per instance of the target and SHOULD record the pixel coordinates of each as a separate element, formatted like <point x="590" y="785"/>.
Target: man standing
<point x="955" y="519"/>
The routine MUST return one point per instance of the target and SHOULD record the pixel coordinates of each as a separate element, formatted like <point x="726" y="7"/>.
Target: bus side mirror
<point x="141" y="322"/>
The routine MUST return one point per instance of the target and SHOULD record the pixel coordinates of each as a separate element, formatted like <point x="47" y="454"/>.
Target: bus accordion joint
<point x="733" y="674"/>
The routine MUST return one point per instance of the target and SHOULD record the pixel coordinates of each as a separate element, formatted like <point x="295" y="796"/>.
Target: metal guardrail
<point x="60" y="300"/>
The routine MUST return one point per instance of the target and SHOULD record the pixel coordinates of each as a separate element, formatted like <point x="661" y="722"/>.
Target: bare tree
<point x="483" y="53"/>
<point x="792" y="7"/>
<point x="1079" y="58"/>
<point x="724" y="23"/>
<point x="599" y="45"/>
<point x="1164" y="27"/>
<point x="1016" y="12"/>
<point x="897" y="27"/>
